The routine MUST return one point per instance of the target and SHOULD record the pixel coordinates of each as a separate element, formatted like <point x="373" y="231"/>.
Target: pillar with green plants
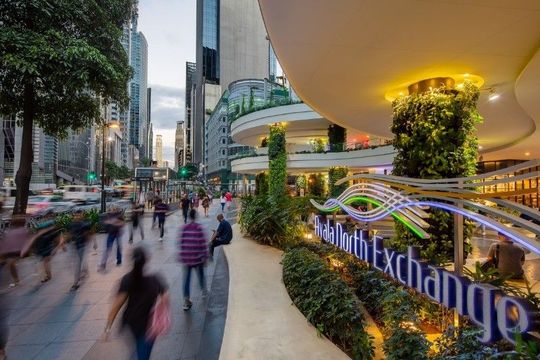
<point x="277" y="156"/>
<point x="435" y="138"/>
<point x="337" y="138"/>
<point x="334" y="174"/>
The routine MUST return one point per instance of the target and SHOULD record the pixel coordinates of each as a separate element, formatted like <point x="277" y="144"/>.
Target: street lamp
<point x="106" y="125"/>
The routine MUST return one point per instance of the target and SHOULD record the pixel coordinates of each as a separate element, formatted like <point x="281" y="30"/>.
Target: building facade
<point x="188" y="119"/>
<point x="159" y="150"/>
<point x="179" y="143"/>
<point x="138" y="91"/>
<point x="231" y="45"/>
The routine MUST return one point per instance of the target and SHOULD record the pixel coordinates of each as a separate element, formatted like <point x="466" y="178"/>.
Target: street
<point x="47" y="321"/>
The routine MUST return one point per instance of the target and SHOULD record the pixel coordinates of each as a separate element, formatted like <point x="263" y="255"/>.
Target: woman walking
<point x="193" y="254"/>
<point x="141" y="292"/>
<point x="206" y="205"/>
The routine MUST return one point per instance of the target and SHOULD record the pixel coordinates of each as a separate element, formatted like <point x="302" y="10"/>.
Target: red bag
<point x="160" y="319"/>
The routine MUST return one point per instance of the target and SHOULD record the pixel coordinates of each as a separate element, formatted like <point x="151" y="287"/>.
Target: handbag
<point x="493" y="263"/>
<point x="160" y="319"/>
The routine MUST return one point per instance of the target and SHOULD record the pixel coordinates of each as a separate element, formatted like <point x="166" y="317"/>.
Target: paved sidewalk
<point x="47" y="321"/>
<point x="262" y="322"/>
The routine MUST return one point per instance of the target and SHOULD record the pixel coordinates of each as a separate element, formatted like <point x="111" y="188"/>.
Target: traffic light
<point x="183" y="172"/>
<point x="91" y="176"/>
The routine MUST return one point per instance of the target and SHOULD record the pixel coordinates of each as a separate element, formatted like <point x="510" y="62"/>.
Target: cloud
<point x="168" y="105"/>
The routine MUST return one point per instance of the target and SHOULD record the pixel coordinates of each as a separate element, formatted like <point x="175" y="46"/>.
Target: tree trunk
<point x="24" y="174"/>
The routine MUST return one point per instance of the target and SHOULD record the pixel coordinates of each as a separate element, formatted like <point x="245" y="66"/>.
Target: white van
<point x="84" y="193"/>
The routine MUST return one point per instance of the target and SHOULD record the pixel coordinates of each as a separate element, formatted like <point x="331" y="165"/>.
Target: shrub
<point x="326" y="301"/>
<point x="271" y="221"/>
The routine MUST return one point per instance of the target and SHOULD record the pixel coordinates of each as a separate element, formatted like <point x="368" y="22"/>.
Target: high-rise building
<point x="148" y="143"/>
<point x="179" y="145"/>
<point x="151" y="142"/>
<point x="138" y="90"/>
<point x="188" y="119"/>
<point x="159" y="150"/>
<point x="76" y="155"/>
<point x="231" y="45"/>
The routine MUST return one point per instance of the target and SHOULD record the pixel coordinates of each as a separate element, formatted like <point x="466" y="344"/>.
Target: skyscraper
<point x="231" y="45"/>
<point x="159" y="150"/>
<point x="147" y="133"/>
<point x="188" y="120"/>
<point x="138" y="90"/>
<point x="179" y="145"/>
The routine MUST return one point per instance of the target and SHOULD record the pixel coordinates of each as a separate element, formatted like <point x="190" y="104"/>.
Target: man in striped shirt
<point x="193" y="254"/>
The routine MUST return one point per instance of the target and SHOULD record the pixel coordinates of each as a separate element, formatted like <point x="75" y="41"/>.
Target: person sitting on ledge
<point x="222" y="236"/>
<point x="509" y="258"/>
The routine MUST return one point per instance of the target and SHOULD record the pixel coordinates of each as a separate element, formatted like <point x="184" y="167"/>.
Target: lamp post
<point x="106" y="125"/>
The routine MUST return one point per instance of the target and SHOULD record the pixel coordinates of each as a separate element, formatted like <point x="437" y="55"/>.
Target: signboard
<point x="499" y="315"/>
<point x="144" y="173"/>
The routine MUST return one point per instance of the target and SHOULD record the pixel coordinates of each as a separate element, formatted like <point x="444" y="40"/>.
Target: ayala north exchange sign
<point x="499" y="315"/>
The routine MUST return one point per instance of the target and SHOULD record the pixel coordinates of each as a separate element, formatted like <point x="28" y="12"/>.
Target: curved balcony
<point x="302" y="124"/>
<point x="319" y="162"/>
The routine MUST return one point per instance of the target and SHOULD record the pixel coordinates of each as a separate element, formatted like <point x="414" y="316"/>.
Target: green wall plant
<point x="277" y="156"/>
<point x="334" y="174"/>
<point x="435" y="138"/>
<point x="337" y="137"/>
<point x="261" y="184"/>
<point x="316" y="184"/>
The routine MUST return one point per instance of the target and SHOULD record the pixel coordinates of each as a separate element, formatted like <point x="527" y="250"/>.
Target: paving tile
<point x="191" y="344"/>
<point x="65" y="350"/>
<point x="23" y="351"/>
<point x="169" y="347"/>
<point x="39" y="334"/>
<point x="82" y="331"/>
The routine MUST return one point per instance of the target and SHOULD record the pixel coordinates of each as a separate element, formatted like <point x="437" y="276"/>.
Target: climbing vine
<point x="435" y="138"/>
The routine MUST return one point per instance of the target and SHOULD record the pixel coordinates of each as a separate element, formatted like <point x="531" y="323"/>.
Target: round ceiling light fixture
<point x="454" y="81"/>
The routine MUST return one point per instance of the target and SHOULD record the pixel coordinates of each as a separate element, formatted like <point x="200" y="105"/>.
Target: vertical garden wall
<point x="277" y="156"/>
<point x="337" y="138"/>
<point x="334" y="174"/>
<point x="435" y="138"/>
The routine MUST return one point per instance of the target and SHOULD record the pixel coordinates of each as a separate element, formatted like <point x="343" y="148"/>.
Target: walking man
<point x="185" y="204"/>
<point x="160" y="210"/>
<point x="193" y="254"/>
<point x="222" y="236"/>
<point x="150" y="198"/>
<point x="136" y="212"/>
<point x="114" y="227"/>
<point x="79" y="232"/>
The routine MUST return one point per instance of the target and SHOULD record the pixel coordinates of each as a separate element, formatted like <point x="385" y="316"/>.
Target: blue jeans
<point x="144" y="347"/>
<point x="187" y="278"/>
<point x="110" y="241"/>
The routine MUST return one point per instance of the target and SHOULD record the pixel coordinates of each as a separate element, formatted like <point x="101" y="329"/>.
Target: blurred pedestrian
<point x="46" y="242"/>
<point x="228" y="199"/>
<point x="150" y="198"/>
<point x="113" y="225"/>
<point x="184" y="205"/>
<point x="196" y="202"/>
<point x="143" y="293"/>
<point x="206" y="205"/>
<point x="136" y="213"/>
<point x="193" y="254"/>
<point x="161" y="210"/>
<point x="12" y="245"/>
<point x="222" y="236"/>
<point x="507" y="257"/>
<point x="79" y="233"/>
<point x="222" y="201"/>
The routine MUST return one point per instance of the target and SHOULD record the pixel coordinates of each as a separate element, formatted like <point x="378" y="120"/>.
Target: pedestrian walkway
<point x="262" y="323"/>
<point x="47" y="321"/>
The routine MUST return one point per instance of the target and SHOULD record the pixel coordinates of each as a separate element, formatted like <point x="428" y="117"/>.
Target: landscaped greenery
<point x="435" y="138"/>
<point x="326" y="301"/>
<point x="271" y="221"/>
<point x="337" y="138"/>
<point x="261" y="184"/>
<point x="334" y="174"/>
<point x="316" y="184"/>
<point x="277" y="156"/>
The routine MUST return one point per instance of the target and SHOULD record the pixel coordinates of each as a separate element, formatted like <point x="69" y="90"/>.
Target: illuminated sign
<point x="499" y="315"/>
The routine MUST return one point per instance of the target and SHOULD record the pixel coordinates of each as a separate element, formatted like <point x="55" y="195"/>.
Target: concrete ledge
<point x="262" y="322"/>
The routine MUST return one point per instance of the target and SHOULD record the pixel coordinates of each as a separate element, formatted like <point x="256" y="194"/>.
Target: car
<point x="82" y="193"/>
<point x="44" y="203"/>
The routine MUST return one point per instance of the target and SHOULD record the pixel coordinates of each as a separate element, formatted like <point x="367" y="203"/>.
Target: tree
<point x="145" y="162"/>
<point x="60" y="61"/>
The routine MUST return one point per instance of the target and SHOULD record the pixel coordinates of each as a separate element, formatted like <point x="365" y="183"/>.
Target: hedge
<point x="326" y="301"/>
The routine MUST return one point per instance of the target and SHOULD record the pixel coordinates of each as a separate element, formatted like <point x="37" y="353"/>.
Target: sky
<point x="170" y="28"/>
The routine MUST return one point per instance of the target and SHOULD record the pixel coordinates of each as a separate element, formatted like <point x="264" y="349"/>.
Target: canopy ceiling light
<point x="455" y="81"/>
